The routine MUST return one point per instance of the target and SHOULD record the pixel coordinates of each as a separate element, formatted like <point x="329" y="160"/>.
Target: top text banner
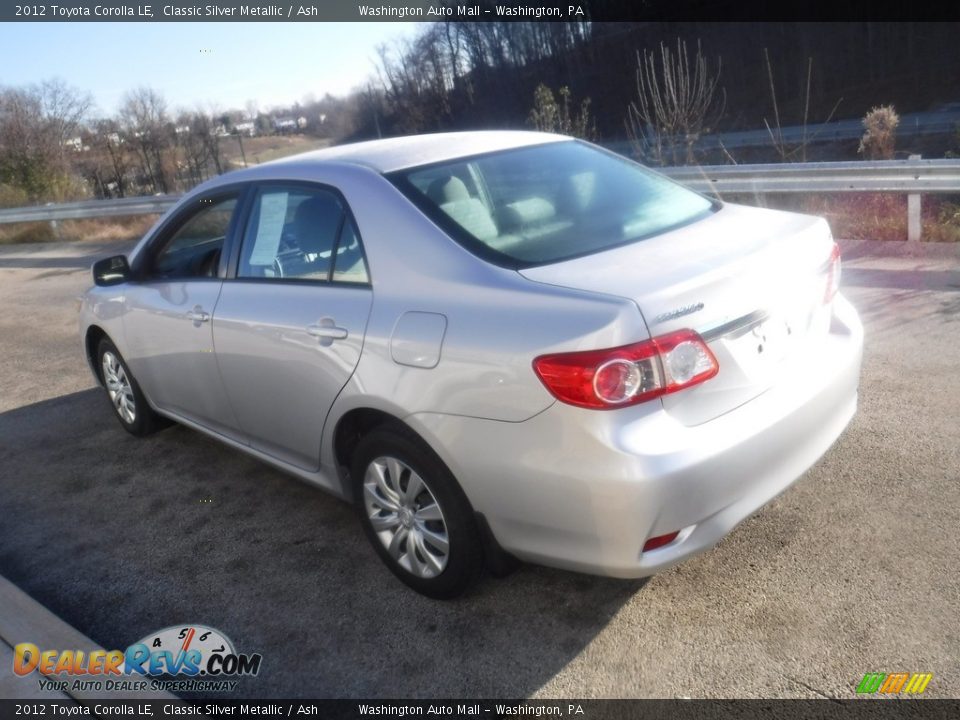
<point x="319" y="10"/>
<point x="474" y="10"/>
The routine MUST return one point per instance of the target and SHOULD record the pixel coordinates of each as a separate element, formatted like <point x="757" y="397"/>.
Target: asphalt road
<point x="854" y="569"/>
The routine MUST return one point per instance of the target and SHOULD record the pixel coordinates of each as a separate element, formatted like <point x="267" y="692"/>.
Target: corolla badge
<point x="679" y="312"/>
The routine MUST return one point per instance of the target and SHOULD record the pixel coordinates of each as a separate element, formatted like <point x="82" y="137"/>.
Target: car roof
<point x="405" y="152"/>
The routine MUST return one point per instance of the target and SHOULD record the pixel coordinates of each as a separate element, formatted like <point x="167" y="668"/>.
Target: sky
<point x="203" y="64"/>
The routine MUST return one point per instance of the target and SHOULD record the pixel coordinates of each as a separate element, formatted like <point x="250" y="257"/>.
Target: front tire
<point x="129" y="404"/>
<point x="415" y="514"/>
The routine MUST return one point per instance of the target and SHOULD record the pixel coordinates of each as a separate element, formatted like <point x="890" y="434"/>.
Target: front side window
<point x="542" y="204"/>
<point x="301" y="234"/>
<point x="193" y="250"/>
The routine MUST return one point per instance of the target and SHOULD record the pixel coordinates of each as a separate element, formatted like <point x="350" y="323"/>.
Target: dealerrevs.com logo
<point x="200" y="658"/>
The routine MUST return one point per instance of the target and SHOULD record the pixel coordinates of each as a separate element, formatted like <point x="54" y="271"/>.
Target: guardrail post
<point x="913" y="213"/>
<point x="54" y="226"/>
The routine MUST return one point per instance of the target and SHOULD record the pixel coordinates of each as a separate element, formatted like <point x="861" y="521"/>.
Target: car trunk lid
<point x="751" y="281"/>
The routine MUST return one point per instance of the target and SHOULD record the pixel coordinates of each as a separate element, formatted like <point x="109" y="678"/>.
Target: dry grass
<point x="866" y="216"/>
<point x="872" y="216"/>
<point x="98" y="230"/>
<point x="268" y="147"/>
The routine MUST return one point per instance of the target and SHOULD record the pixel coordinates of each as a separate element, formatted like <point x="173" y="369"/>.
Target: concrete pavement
<point x="853" y="570"/>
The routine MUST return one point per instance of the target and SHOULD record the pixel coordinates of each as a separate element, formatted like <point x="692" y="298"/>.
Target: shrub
<point x="548" y="115"/>
<point x="880" y="127"/>
<point x="12" y="197"/>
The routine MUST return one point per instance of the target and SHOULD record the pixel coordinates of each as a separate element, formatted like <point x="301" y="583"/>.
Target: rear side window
<point x="350" y="266"/>
<point x="301" y="234"/>
<point x="542" y="204"/>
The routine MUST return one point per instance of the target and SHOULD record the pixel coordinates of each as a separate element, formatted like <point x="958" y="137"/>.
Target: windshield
<point x="542" y="204"/>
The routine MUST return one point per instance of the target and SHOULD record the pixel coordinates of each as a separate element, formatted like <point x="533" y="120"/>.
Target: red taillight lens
<point x="630" y="374"/>
<point x="833" y="274"/>
<point x="659" y="541"/>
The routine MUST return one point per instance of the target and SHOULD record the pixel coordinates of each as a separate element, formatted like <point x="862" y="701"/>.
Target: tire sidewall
<point x="465" y="558"/>
<point x="142" y="423"/>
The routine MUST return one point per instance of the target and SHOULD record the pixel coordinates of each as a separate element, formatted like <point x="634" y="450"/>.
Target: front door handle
<point x="327" y="331"/>
<point x="333" y="333"/>
<point x="197" y="315"/>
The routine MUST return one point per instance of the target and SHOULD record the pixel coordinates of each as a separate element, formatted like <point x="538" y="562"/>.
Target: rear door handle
<point x="327" y="330"/>
<point x="198" y="315"/>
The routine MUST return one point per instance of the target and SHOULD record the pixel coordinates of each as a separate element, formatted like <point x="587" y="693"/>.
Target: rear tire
<point x="415" y="514"/>
<point x="129" y="404"/>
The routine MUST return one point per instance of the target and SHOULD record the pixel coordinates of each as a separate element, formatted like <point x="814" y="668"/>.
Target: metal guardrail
<point x="888" y="176"/>
<point x="87" y="209"/>
<point x="912" y="177"/>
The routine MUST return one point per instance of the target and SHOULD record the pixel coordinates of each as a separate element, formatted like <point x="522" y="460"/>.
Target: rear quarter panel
<point x="497" y="321"/>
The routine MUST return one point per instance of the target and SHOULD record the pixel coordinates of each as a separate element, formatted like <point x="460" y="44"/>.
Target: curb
<point x="23" y="619"/>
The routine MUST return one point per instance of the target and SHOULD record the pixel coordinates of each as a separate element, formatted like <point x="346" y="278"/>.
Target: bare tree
<point x="115" y="143"/>
<point x="785" y="150"/>
<point x="205" y="129"/>
<point x="192" y="155"/>
<point x="144" y="112"/>
<point x="414" y="84"/>
<point x="25" y="160"/>
<point x="371" y="106"/>
<point x="447" y="75"/>
<point x="36" y="123"/>
<point x="63" y="109"/>
<point x="107" y="163"/>
<point x="676" y="102"/>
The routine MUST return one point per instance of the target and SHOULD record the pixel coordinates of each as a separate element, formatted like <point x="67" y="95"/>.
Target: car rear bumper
<point x="584" y="490"/>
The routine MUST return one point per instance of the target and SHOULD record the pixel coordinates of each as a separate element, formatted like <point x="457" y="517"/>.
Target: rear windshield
<point x="542" y="204"/>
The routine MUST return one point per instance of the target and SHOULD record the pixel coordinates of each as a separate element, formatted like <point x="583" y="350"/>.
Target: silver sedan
<point x="497" y="345"/>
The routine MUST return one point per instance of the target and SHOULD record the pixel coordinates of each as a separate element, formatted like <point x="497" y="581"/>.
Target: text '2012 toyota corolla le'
<point x="498" y="345"/>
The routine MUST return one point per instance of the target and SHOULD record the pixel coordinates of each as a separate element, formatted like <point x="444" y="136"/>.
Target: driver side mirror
<point x="111" y="271"/>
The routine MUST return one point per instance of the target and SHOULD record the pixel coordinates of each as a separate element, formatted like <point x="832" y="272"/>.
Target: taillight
<point x="630" y="374"/>
<point x="833" y="274"/>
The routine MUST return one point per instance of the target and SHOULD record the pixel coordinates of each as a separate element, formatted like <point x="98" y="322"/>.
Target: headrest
<point x="530" y="211"/>
<point x="316" y="222"/>
<point x="448" y="189"/>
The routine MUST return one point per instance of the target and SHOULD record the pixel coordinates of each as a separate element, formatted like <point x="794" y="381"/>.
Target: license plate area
<point x="762" y="346"/>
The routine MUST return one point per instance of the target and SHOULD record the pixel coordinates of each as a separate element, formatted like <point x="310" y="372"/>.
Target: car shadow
<point x="122" y="537"/>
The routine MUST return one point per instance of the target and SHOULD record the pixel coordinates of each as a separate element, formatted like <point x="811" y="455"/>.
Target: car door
<point x="168" y="311"/>
<point x="289" y="324"/>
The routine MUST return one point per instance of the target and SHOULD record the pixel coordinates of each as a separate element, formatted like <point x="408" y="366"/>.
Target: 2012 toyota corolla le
<point x="498" y="345"/>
